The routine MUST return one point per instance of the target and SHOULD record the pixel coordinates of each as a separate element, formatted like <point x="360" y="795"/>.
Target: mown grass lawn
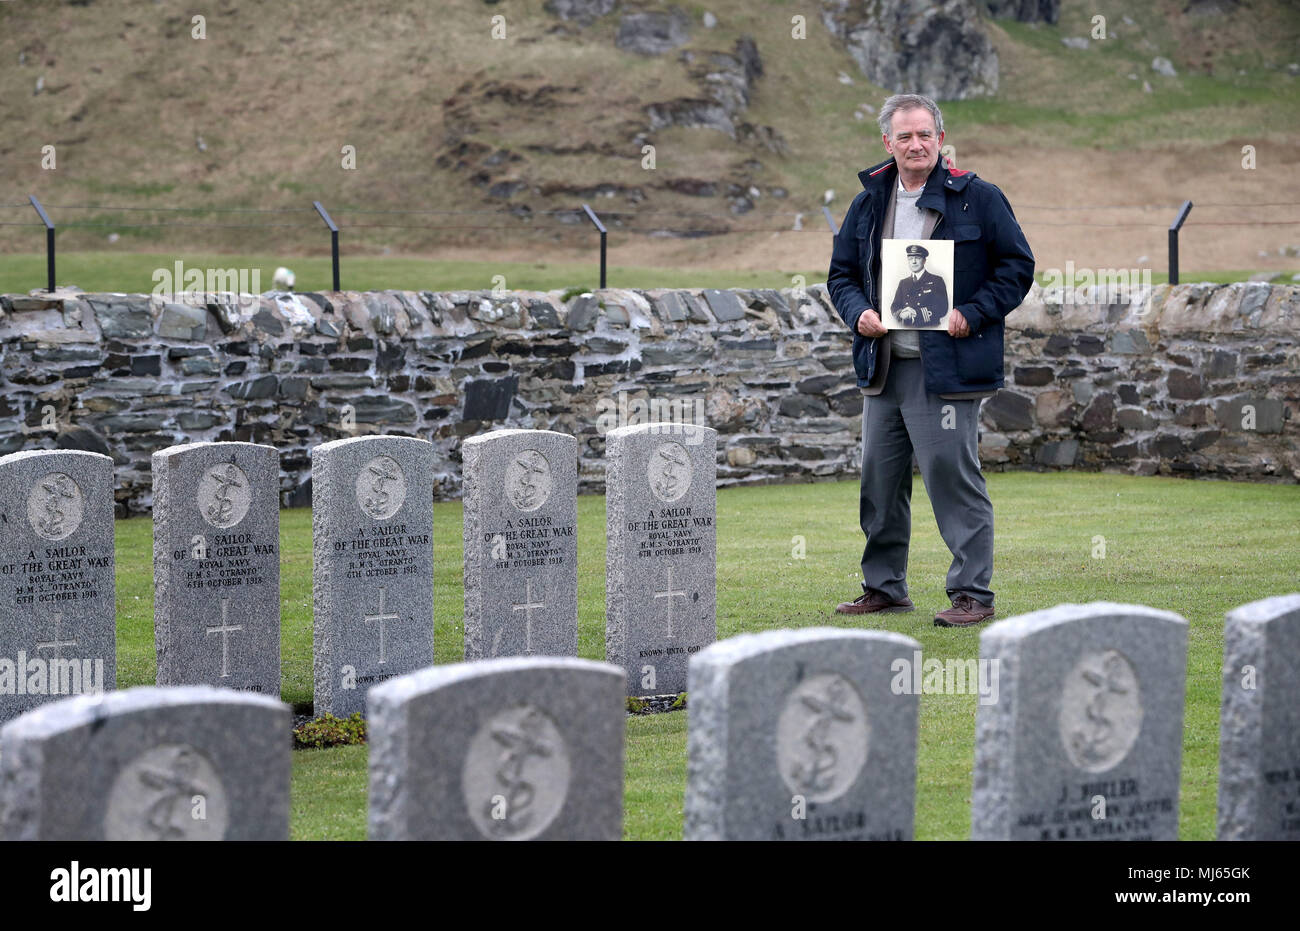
<point x="132" y="272"/>
<point x="1196" y="548"/>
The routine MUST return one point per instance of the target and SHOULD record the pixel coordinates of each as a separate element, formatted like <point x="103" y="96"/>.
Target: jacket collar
<point x="879" y="177"/>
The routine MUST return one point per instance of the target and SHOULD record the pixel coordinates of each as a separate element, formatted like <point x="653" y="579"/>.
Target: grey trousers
<point x="901" y="420"/>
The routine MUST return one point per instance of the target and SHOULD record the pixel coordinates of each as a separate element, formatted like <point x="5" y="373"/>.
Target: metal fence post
<point x="830" y="221"/>
<point x="1173" y="240"/>
<point x="49" y="241"/>
<point x="600" y="226"/>
<point x="334" y="240"/>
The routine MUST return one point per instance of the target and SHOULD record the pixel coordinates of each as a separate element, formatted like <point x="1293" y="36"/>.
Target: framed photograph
<point x="916" y="283"/>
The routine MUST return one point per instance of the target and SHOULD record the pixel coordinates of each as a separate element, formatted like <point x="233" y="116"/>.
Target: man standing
<point x="923" y="388"/>
<point x="921" y="298"/>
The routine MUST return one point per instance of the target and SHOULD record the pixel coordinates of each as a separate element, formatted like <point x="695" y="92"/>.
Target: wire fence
<point x="523" y="220"/>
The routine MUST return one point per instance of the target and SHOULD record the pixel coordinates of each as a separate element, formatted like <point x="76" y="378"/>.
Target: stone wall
<point x="1192" y="380"/>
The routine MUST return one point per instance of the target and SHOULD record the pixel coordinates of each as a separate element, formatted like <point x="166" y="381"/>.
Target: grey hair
<point x="908" y="102"/>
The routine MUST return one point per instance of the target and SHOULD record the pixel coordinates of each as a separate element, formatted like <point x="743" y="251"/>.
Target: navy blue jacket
<point x="992" y="272"/>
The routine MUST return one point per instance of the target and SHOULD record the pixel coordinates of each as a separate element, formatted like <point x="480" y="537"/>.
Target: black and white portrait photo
<point x="917" y="281"/>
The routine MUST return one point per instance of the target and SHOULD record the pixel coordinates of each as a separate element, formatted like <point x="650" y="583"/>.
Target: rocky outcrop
<point x="482" y="105"/>
<point x="653" y="32"/>
<point x="932" y="47"/>
<point x="1196" y="380"/>
<point x="727" y="84"/>
<point x="582" y="12"/>
<point x="1025" y="11"/>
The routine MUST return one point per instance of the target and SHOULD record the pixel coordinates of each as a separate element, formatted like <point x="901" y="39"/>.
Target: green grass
<point x="1197" y="548"/>
<point x="1228" y="277"/>
<point x="132" y="272"/>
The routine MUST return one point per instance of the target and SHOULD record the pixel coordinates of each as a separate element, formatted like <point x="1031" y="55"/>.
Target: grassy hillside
<point x="258" y="113"/>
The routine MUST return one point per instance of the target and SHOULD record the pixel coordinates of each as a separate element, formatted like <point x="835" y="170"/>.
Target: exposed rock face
<point x="1026" y="11"/>
<point x="1197" y="379"/>
<point x="932" y="47"/>
<point x="692" y="114"/>
<point x="582" y="12"/>
<point x="482" y="106"/>
<point x="729" y="79"/>
<point x="653" y="33"/>
<point x="727" y="82"/>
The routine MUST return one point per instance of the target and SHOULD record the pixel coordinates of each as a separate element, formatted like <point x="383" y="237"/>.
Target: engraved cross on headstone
<point x="381" y="617"/>
<point x="225" y="628"/>
<point x="56" y="644"/>
<point x="527" y="608"/>
<point x="670" y="595"/>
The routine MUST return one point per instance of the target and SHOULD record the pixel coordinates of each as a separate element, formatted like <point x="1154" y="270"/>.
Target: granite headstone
<point x="372" y="571"/>
<point x="1259" y="726"/>
<point x="57" y="604"/>
<point x="216" y="562"/>
<point x="519" y="748"/>
<point x="187" y="763"/>
<point x="661" y="557"/>
<point x="802" y="735"/>
<point x="521" y="545"/>
<point x="1085" y="741"/>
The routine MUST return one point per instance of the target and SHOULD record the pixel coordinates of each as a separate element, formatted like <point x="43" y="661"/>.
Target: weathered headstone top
<point x="190" y="763"/>
<point x="372" y="578"/>
<point x="57" y="592"/>
<point x="1259" y="727"/>
<point x="1085" y="741"/>
<point x="800" y="735"/>
<point x="519" y="748"/>
<point x="521" y="545"/>
<point x="661" y="562"/>
<point x="216" y="556"/>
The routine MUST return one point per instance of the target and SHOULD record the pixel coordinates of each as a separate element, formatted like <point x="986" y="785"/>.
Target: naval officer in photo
<point x="922" y="297"/>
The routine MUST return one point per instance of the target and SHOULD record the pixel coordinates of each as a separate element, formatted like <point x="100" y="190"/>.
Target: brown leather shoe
<point x="874" y="602"/>
<point x="965" y="612"/>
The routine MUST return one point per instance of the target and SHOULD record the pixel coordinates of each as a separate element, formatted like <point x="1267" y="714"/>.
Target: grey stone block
<point x="180" y="321"/>
<point x="123" y="318"/>
<point x="1246" y="414"/>
<point x="1010" y="411"/>
<point x="725" y="305"/>
<point x="1130" y="342"/>
<point x="1059" y="452"/>
<point x="582" y="313"/>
